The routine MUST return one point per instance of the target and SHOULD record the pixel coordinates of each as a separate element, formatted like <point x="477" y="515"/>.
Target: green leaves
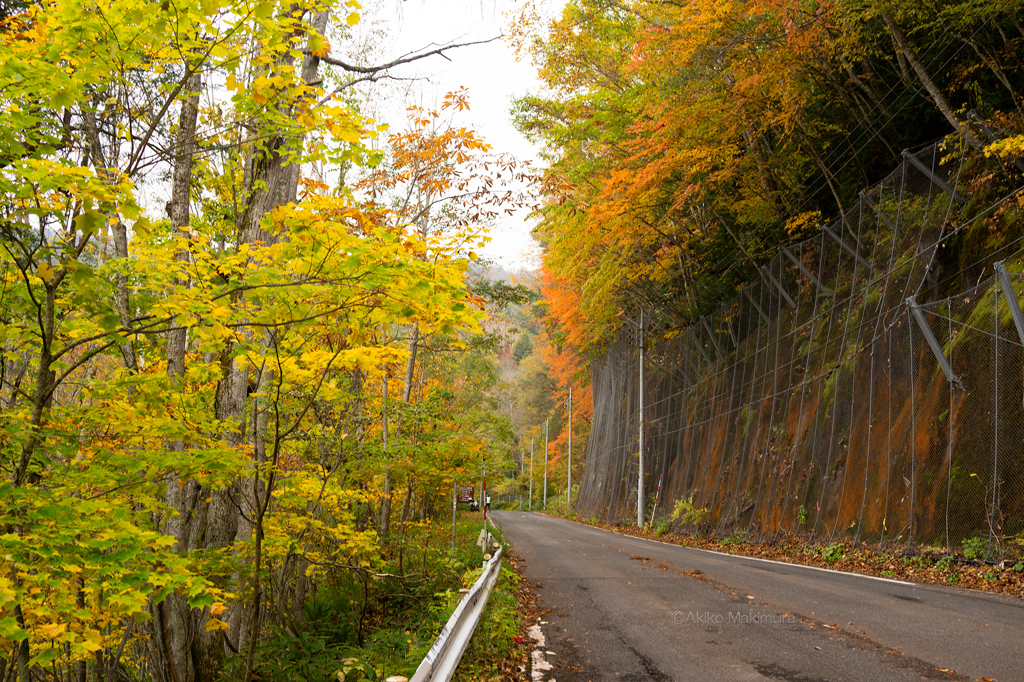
<point x="90" y="222"/>
<point x="114" y="451"/>
<point x="101" y="546"/>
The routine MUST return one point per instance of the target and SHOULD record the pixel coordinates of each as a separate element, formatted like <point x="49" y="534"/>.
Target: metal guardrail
<point x="440" y="662"/>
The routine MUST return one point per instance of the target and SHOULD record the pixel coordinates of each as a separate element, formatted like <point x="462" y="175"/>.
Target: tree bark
<point x="171" y="655"/>
<point x="24" y="672"/>
<point x="181" y="190"/>
<point x="943" y="105"/>
<point x="385" y="503"/>
<point x="993" y="65"/>
<point x="42" y="394"/>
<point x="119" y="233"/>
<point x="410" y="365"/>
<point x="410" y="370"/>
<point x="270" y="181"/>
<point x="409" y="504"/>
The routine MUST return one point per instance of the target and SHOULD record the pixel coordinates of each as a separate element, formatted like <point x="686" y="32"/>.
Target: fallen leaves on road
<point x="887" y="560"/>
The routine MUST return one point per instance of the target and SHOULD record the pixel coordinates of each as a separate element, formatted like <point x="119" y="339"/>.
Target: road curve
<point x="627" y="609"/>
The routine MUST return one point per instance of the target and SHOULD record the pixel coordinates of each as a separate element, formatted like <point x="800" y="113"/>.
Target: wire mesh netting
<point x="825" y="397"/>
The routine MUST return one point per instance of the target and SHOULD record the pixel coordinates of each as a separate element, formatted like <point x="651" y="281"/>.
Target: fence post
<point x="640" y="473"/>
<point x="1011" y="298"/>
<point x="546" y="424"/>
<point x="878" y="210"/>
<point x="992" y="517"/>
<point x="807" y="273"/>
<point x="932" y="342"/>
<point x="778" y="285"/>
<point x="750" y="297"/>
<point x="707" y="328"/>
<point x="926" y="330"/>
<point x="949" y="435"/>
<point x="847" y="248"/>
<point x="934" y="178"/>
<point x="569" y="486"/>
<point x="987" y="132"/>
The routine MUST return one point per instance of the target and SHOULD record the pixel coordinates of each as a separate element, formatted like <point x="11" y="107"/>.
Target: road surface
<point x="625" y="609"/>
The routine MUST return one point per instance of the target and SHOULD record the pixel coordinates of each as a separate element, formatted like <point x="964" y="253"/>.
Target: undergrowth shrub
<point x="367" y="622"/>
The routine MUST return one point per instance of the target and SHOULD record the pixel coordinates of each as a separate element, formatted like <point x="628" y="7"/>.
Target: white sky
<point x="490" y="72"/>
<point x="493" y="78"/>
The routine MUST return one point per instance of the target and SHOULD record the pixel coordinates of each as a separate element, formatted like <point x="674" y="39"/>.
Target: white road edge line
<point x="750" y="558"/>
<point x="538" y="664"/>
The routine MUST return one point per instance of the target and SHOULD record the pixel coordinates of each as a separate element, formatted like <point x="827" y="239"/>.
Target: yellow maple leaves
<point x="53" y="630"/>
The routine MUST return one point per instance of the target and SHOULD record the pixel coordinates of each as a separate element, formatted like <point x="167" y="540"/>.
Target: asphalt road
<point x="627" y="609"/>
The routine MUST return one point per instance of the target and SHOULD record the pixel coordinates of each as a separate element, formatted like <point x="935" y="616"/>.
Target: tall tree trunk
<point x="384" y="521"/>
<point x="410" y="369"/>
<point x="171" y="655"/>
<point x="24" y="671"/>
<point x="990" y="61"/>
<point x="410" y="373"/>
<point x="829" y="178"/>
<point x="408" y="504"/>
<point x="756" y="145"/>
<point x="119" y="233"/>
<point x="410" y="365"/>
<point x="181" y="190"/>
<point x="42" y="395"/>
<point x="943" y="105"/>
<point x="270" y="181"/>
<point x="122" y="299"/>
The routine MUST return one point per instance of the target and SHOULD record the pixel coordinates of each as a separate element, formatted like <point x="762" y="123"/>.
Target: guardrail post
<point x="440" y="662"/>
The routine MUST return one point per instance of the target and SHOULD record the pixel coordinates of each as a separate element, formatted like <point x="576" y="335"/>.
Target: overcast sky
<point x="491" y="74"/>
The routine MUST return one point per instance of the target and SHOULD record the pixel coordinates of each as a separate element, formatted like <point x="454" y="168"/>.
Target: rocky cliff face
<point x="814" y="401"/>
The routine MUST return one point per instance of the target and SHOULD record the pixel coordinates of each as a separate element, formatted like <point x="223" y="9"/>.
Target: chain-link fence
<point x="815" y="400"/>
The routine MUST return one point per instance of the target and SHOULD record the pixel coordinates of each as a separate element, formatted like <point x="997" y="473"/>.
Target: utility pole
<point x="531" y="474"/>
<point x="455" y="507"/>
<point x="548" y="421"/>
<point x="520" y="486"/>
<point x="570" y="447"/>
<point x="640" y="476"/>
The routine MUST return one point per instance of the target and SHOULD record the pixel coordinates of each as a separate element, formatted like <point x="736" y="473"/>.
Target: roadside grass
<point x="376" y="621"/>
<point x="497" y="651"/>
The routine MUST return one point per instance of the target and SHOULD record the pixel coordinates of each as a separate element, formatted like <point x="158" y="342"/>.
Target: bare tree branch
<point x="404" y="59"/>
